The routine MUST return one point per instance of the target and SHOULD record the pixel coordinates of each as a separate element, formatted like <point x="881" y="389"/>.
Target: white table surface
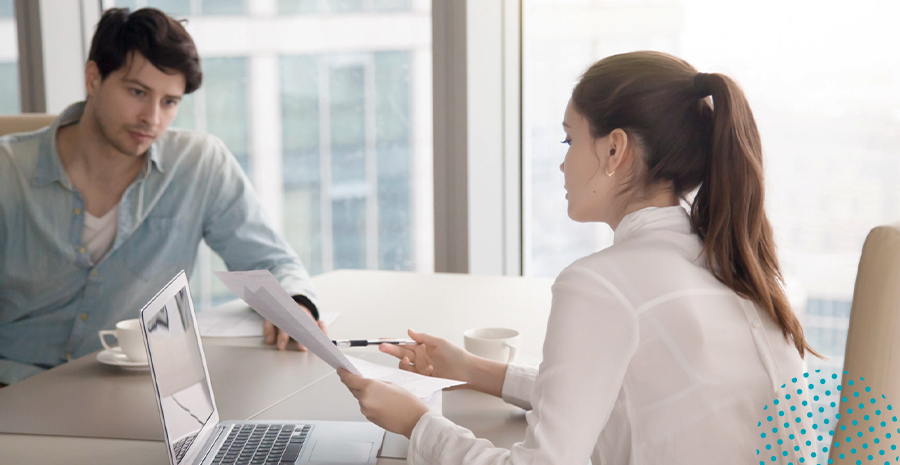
<point x="85" y="412"/>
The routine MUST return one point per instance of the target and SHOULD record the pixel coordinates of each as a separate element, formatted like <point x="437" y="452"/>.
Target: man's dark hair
<point x="158" y="37"/>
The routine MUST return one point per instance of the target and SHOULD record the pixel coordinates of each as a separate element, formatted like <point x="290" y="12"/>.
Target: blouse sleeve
<point x="592" y="333"/>
<point x="518" y="385"/>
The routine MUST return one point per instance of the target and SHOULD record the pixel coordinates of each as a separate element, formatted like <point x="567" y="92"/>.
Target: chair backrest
<point x="24" y="123"/>
<point x="873" y="353"/>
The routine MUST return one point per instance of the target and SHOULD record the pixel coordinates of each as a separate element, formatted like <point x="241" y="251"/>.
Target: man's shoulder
<point x="20" y="151"/>
<point x="183" y="141"/>
<point x="184" y="147"/>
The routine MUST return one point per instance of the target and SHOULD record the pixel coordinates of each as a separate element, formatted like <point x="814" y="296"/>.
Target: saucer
<point x="115" y="357"/>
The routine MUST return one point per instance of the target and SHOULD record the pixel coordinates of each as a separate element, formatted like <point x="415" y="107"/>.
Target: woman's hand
<point x="432" y="356"/>
<point x="385" y="404"/>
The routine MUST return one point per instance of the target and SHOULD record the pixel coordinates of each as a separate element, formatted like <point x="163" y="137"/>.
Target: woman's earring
<point x="611" y="153"/>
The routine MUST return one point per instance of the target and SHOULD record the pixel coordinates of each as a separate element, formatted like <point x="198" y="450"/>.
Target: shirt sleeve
<point x="518" y="385"/>
<point x="237" y="228"/>
<point x="592" y="333"/>
<point x="12" y="372"/>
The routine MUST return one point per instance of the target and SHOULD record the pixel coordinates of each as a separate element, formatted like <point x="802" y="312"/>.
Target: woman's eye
<point x="567" y="142"/>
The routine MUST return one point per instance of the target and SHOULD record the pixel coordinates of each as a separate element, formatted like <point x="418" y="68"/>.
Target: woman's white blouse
<point x="648" y="359"/>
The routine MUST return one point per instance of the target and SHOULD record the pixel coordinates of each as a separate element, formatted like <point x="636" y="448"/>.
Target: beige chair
<point x="24" y="122"/>
<point x="873" y="353"/>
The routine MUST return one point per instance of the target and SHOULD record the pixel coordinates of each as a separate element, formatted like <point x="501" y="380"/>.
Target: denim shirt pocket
<point x="158" y="247"/>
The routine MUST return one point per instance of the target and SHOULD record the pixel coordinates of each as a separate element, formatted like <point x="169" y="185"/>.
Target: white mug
<point x="128" y="333"/>
<point x="499" y="344"/>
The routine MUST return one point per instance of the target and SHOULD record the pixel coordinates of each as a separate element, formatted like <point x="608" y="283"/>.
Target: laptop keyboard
<point x="262" y="444"/>
<point x="182" y="446"/>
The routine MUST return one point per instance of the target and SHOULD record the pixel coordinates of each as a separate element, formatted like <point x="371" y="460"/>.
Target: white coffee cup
<point x="499" y="344"/>
<point x="128" y="334"/>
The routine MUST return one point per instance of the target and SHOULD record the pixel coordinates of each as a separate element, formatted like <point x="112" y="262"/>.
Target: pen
<point x="373" y="342"/>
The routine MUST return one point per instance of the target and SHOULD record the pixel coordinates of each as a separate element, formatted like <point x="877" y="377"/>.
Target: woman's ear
<point x="619" y="151"/>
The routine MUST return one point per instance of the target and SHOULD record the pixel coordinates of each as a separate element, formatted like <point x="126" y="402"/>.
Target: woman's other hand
<point x="385" y="404"/>
<point x="432" y="356"/>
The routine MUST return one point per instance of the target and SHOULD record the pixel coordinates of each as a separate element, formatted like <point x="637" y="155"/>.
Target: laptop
<point x="187" y="407"/>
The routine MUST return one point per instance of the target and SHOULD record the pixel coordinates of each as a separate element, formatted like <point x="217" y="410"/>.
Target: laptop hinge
<point x="207" y="448"/>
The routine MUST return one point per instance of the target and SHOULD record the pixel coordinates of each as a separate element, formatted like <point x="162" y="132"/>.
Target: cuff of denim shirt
<point x="518" y="384"/>
<point x="429" y="437"/>
<point x="304" y="301"/>
<point x="12" y="372"/>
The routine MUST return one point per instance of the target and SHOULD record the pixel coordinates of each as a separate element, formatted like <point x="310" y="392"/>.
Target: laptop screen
<point x="173" y="343"/>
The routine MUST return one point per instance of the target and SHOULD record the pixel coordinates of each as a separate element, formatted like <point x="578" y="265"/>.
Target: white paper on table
<point x="424" y="387"/>
<point x="236" y="319"/>
<point x="263" y="293"/>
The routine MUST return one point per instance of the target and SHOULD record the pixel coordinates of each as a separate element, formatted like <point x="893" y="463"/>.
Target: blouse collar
<point x="673" y="219"/>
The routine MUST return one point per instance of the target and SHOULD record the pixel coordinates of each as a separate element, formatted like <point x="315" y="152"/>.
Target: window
<point x="321" y="119"/>
<point x="9" y="60"/>
<point x="822" y="84"/>
<point x="189" y="7"/>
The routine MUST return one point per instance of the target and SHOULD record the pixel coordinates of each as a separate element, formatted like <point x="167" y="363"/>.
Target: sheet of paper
<point x="263" y="293"/>
<point x="236" y="319"/>
<point x="423" y="387"/>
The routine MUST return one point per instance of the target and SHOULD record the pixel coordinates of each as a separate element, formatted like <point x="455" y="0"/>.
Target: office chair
<point x="872" y="353"/>
<point x="24" y="122"/>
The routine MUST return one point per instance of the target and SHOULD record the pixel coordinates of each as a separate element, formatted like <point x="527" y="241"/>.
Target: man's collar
<point x="49" y="168"/>
<point x="155" y="157"/>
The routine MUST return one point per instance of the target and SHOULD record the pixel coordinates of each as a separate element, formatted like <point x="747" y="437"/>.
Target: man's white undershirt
<point x="98" y="233"/>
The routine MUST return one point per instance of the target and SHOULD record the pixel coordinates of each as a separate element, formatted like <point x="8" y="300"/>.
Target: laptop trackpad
<point x="341" y="451"/>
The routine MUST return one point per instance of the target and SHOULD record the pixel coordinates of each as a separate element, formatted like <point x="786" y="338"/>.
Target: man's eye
<point x="137" y="92"/>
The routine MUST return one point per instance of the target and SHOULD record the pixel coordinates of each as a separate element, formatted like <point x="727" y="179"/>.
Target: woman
<point x="665" y="347"/>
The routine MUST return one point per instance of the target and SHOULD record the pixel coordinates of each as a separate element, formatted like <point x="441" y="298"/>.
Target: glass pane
<point x="348" y="162"/>
<point x="392" y="135"/>
<point x="300" y="160"/>
<point x="9" y="60"/>
<point x="9" y="89"/>
<point x="225" y="83"/>
<point x="391" y="5"/>
<point x="187" y="112"/>
<point x="836" y="101"/>
<point x="345" y="6"/>
<point x="6" y="9"/>
<point x="224" y="7"/>
<point x="172" y="7"/>
<point x="328" y="139"/>
<point x="288" y="7"/>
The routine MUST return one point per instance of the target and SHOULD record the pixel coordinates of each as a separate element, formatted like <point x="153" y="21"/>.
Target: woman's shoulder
<point x="640" y="271"/>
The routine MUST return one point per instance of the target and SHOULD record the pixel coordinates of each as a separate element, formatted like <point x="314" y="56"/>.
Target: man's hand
<point x="273" y="335"/>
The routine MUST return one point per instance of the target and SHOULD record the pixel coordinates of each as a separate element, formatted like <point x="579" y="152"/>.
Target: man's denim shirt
<point x="53" y="299"/>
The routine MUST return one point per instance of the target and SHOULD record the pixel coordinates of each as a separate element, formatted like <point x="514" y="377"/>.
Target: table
<point x="86" y="412"/>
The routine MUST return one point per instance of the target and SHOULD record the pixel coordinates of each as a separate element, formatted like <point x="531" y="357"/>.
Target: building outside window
<point x="327" y="107"/>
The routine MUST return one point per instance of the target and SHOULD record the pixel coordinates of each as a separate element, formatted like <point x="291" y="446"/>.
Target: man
<point x="102" y="208"/>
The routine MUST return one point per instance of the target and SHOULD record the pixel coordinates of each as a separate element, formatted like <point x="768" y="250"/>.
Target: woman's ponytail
<point x="688" y="140"/>
<point x="728" y="211"/>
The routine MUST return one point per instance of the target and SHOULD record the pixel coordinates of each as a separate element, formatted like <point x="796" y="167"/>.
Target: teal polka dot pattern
<point x="803" y="429"/>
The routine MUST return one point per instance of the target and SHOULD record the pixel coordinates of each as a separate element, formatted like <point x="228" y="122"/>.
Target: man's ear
<point x="92" y="78"/>
<point x="619" y="150"/>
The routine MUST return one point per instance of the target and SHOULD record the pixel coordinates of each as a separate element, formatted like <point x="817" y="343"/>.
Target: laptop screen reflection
<point x="185" y="398"/>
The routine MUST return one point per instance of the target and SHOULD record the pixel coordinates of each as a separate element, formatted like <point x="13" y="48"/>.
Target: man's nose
<point x="150" y="114"/>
